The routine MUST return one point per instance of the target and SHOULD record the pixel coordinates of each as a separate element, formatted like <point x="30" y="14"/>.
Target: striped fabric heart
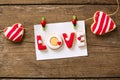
<point x="14" y="33"/>
<point x="102" y="23"/>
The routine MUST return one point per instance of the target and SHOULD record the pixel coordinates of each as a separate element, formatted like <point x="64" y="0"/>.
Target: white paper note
<point x="63" y="51"/>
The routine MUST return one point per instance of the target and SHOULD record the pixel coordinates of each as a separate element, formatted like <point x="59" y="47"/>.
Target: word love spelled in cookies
<point x="54" y="41"/>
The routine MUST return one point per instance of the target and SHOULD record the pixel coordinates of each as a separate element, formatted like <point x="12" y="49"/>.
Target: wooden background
<point x="19" y="60"/>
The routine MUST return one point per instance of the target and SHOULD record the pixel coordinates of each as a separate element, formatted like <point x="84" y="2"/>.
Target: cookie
<point x="40" y="43"/>
<point x="54" y="41"/>
<point x="69" y="39"/>
<point x="14" y="33"/>
<point x="80" y="39"/>
<point x="102" y="23"/>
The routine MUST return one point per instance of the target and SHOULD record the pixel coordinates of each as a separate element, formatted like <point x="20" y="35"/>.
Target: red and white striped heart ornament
<point x="14" y="33"/>
<point x="102" y="23"/>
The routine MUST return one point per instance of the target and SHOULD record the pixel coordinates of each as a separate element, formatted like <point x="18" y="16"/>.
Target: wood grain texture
<point x="54" y="2"/>
<point x="18" y="60"/>
<point x="67" y="79"/>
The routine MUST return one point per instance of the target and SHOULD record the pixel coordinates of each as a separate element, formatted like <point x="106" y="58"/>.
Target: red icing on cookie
<point x="40" y="46"/>
<point x="59" y="43"/>
<point x="69" y="42"/>
<point x="79" y="38"/>
<point x="102" y="23"/>
<point x="14" y="33"/>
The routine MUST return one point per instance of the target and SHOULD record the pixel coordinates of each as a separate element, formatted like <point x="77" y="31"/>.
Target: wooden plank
<point x="66" y="79"/>
<point x="18" y="60"/>
<point x="100" y="79"/>
<point x="57" y="2"/>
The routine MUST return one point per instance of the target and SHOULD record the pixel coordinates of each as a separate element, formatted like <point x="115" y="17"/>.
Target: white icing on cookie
<point x="81" y="33"/>
<point x="81" y="44"/>
<point x="82" y="38"/>
<point x="67" y="39"/>
<point x="39" y="41"/>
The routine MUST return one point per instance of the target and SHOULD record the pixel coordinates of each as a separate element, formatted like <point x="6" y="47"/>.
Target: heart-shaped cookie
<point x="102" y="23"/>
<point x="14" y="33"/>
<point x="59" y="43"/>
